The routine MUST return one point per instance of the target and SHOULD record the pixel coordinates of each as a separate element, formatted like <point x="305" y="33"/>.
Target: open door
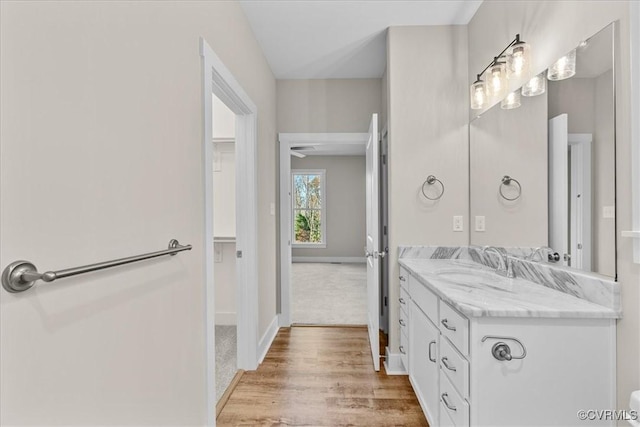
<point x="559" y="186"/>
<point x="372" y="248"/>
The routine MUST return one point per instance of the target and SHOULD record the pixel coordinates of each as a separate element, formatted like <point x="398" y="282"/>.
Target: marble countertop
<point x="476" y="290"/>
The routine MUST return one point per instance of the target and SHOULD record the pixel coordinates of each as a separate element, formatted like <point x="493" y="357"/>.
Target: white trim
<point x="226" y="318"/>
<point x="288" y="140"/>
<point x="635" y="129"/>
<point x="268" y="337"/>
<point x="217" y="79"/>
<point x="393" y="363"/>
<point x="329" y="259"/>
<point x="323" y="207"/>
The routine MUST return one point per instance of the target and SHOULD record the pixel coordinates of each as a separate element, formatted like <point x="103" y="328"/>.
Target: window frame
<point x="323" y="209"/>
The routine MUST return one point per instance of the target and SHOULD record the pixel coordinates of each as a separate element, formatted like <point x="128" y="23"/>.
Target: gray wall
<point x="428" y="134"/>
<point x="345" y="210"/>
<point x="552" y="29"/>
<point x="333" y="105"/>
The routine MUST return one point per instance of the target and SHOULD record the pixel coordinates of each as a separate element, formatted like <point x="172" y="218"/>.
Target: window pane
<point x="307" y="226"/>
<point x="307" y="191"/>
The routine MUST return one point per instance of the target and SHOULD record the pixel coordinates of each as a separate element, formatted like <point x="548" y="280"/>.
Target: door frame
<point x="580" y="210"/>
<point x="218" y="80"/>
<point x="287" y="141"/>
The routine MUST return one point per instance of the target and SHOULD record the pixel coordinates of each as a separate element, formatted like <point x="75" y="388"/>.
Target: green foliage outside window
<point x="307" y="208"/>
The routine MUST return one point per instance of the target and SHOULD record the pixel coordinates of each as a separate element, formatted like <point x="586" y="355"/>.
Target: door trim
<point x="218" y="80"/>
<point x="287" y="141"/>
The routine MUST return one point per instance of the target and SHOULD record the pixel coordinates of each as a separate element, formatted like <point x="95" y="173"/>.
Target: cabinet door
<point x="423" y="367"/>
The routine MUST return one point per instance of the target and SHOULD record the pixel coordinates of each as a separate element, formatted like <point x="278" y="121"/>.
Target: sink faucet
<point x="539" y="252"/>
<point x="505" y="267"/>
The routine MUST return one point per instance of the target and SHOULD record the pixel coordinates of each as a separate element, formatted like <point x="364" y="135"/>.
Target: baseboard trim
<point x="325" y="259"/>
<point x="267" y="338"/>
<point x="393" y="363"/>
<point x="226" y="318"/>
<point x="227" y="393"/>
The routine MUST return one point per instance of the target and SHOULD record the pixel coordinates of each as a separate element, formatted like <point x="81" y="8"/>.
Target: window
<point x="308" y="202"/>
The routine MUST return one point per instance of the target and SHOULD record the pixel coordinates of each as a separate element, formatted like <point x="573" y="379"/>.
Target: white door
<point x="559" y="186"/>
<point x="373" y="241"/>
<point x="580" y="196"/>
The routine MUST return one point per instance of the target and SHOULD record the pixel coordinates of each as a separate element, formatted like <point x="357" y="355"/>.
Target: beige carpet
<point x="329" y="294"/>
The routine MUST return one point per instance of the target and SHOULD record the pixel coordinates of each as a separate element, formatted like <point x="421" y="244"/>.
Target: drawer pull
<point x="432" y="359"/>
<point x="402" y="301"/>
<point x="445" y="362"/>
<point x="402" y="350"/>
<point x="445" y="323"/>
<point x="403" y="279"/>
<point x="402" y="322"/>
<point x="445" y="400"/>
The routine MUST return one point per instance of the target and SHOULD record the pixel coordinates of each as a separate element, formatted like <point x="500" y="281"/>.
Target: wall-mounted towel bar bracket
<point x="19" y="276"/>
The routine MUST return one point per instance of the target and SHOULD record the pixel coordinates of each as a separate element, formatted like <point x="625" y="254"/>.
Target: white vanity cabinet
<point x="550" y="369"/>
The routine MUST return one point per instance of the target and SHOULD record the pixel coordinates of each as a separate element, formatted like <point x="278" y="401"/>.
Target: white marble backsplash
<point x="587" y="286"/>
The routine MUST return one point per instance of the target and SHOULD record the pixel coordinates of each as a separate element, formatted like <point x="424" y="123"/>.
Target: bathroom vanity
<point x="486" y="350"/>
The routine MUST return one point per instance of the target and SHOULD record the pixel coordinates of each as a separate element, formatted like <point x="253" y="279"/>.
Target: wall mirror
<point x="542" y="164"/>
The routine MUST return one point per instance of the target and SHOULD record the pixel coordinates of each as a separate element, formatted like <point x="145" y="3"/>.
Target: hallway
<point x="321" y="376"/>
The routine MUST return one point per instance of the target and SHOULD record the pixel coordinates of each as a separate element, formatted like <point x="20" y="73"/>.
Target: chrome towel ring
<point x="507" y="180"/>
<point x="431" y="180"/>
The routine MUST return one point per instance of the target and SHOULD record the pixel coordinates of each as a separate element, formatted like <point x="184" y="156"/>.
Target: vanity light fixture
<point x="518" y="61"/>
<point x="479" y="96"/>
<point x="513" y="62"/>
<point x="511" y="101"/>
<point x="497" y="83"/>
<point x="536" y="86"/>
<point x="563" y="68"/>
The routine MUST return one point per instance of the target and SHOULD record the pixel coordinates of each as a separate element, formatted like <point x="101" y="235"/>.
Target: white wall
<point x="333" y="105"/>
<point x="345" y="209"/>
<point x="103" y="101"/>
<point x="552" y="29"/>
<point x="428" y="134"/>
<point x="514" y="143"/>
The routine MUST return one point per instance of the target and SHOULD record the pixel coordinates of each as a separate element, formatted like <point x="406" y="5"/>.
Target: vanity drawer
<point x="424" y="298"/>
<point x="404" y="322"/>
<point x="453" y="404"/>
<point x="454" y="326"/>
<point x="404" y="350"/>
<point x="404" y="301"/>
<point x="455" y="367"/>
<point x="404" y="278"/>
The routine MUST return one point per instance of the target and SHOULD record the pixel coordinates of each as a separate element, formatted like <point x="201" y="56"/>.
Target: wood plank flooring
<point x="321" y="377"/>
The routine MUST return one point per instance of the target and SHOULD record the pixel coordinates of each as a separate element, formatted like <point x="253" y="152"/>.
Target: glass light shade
<point x="535" y="86"/>
<point x="563" y="68"/>
<point x="519" y="60"/>
<point x="478" y="95"/>
<point x="511" y="101"/>
<point x="497" y="84"/>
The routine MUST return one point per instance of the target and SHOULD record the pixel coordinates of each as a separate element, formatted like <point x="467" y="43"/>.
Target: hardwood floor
<point x="321" y="377"/>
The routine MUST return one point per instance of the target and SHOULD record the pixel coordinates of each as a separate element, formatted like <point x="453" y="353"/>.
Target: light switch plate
<point x="272" y="209"/>
<point x="480" y="223"/>
<point x="217" y="252"/>
<point x="458" y="223"/>
<point x="608" y="212"/>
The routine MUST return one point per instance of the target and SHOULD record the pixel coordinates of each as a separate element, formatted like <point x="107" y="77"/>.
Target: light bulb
<point x="536" y="86"/>
<point x="563" y="68"/>
<point x="497" y="81"/>
<point x="511" y="101"/>
<point x="518" y="60"/>
<point x="478" y="95"/>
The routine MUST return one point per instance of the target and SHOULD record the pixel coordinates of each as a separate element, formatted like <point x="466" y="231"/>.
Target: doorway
<point x="218" y="81"/>
<point x="308" y="145"/>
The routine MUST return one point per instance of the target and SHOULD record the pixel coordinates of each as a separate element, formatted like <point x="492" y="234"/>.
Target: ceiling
<point x="324" y="39"/>
<point x="351" y="149"/>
